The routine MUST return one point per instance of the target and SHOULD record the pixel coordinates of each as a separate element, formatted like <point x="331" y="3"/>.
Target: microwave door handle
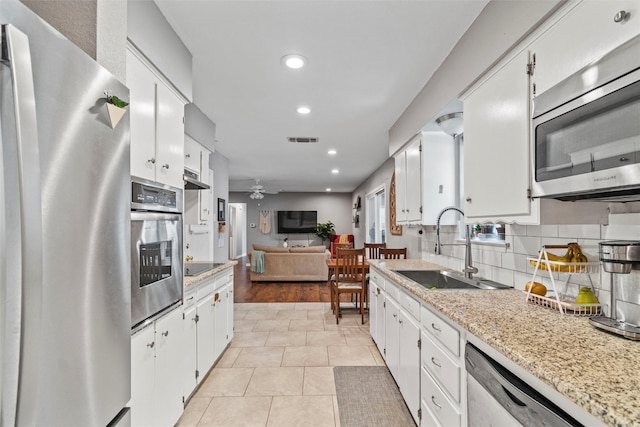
<point x="23" y="229"/>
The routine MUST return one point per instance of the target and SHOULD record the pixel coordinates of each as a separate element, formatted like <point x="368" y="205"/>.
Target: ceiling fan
<point x="257" y="191"/>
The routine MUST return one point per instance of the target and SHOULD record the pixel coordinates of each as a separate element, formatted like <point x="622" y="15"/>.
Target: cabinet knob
<point x="187" y="156"/>
<point x="621" y="16"/>
<point x="468" y="199"/>
<point x="151" y="344"/>
<point x="399" y="321"/>
<point x="395" y="315"/>
<point x="152" y="161"/>
<point x="166" y="166"/>
<point x="165" y="333"/>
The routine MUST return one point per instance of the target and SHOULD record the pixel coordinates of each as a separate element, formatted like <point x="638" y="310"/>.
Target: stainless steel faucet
<point x="469" y="269"/>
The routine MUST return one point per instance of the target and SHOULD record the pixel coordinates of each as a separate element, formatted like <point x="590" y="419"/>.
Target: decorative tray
<point x="565" y="304"/>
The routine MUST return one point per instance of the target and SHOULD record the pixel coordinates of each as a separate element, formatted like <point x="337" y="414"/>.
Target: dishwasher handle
<point x="523" y="402"/>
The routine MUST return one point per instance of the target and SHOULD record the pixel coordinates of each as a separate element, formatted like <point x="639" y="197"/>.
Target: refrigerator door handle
<point x="22" y="273"/>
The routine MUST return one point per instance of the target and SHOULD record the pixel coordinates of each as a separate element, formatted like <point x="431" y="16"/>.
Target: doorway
<point x="237" y="230"/>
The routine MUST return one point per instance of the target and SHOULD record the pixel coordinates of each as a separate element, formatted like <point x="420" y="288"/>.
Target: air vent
<point x="303" y="139"/>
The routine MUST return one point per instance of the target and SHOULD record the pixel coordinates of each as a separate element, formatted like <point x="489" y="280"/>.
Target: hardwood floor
<point x="245" y="291"/>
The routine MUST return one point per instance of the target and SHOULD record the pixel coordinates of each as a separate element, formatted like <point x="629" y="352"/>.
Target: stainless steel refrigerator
<point x="64" y="233"/>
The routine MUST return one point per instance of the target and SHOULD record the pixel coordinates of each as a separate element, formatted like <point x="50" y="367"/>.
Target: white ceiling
<point x="367" y="60"/>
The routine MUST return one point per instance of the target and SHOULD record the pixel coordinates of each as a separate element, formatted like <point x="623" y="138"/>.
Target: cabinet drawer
<point x="445" y="333"/>
<point x="441" y="367"/>
<point x="437" y="402"/>
<point x="189" y="298"/>
<point x="376" y="277"/>
<point x="410" y="305"/>
<point x="393" y="291"/>
<point x="206" y="288"/>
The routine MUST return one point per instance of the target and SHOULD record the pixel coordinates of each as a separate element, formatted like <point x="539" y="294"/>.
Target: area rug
<point x="368" y="396"/>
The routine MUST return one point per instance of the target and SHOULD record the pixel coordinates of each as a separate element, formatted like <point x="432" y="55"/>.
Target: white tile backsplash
<point x="542" y="230"/>
<point x="585" y="231"/>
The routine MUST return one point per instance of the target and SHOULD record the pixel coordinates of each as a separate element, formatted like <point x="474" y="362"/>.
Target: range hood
<point x="192" y="182"/>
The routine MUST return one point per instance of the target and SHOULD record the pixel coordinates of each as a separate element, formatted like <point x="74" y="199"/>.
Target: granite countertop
<point x="191" y="280"/>
<point x="598" y="371"/>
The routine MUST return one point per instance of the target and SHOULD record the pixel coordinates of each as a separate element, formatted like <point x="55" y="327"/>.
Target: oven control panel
<point x="155" y="197"/>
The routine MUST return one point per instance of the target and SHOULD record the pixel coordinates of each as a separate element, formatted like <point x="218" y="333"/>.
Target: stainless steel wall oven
<point x="156" y="249"/>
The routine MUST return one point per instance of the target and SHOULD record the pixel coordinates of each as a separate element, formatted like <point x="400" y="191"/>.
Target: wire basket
<point x="565" y="304"/>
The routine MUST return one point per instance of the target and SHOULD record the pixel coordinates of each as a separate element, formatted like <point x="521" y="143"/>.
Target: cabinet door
<point x="438" y="177"/>
<point x="496" y="126"/>
<point x="409" y="362"/>
<point x="190" y="350"/>
<point x="169" y="138"/>
<point x="583" y="35"/>
<point x="401" y="187"/>
<point x="170" y="368"/>
<point x="221" y="305"/>
<point x="205" y="196"/>
<point x="143" y="377"/>
<point x="392" y="338"/>
<point x="206" y="335"/>
<point x="230" y="306"/>
<point x="413" y="197"/>
<point x="373" y="311"/>
<point x="142" y="107"/>
<point x="191" y="154"/>
<point x="380" y="320"/>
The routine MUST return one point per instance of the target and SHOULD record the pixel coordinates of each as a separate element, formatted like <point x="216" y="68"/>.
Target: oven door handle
<point x="154" y="216"/>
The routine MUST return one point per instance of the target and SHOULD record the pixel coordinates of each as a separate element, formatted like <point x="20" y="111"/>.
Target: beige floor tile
<point x="239" y="314"/>
<point x="305" y="356"/>
<point x="225" y="382"/>
<point x="336" y="411"/>
<point x="319" y="381"/>
<point x="288" y="338"/>
<point x="271" y="325"/>
<point x="261" y="315"/>
<point x="326" y="338"/>
<point x="228" y="357"/>
<point x="254" y="357"/>
<point x="295" y="411"/>
<point x="356" y="336"/>
<point x="292" y="314"/>
<point x="243" y="325"/>
<point x="249" y="339"/>
<point x="276" y="382"/>
<point x="249" y="306"/>
<point x="193" y="412"/>
<point x="281" y="305"/>
<point x="315" y="314"/>
<point x="312" y="306"/>
<point x="377" y="356"/>
<point x="237" y="412"/>
<point x="348" y="355"/>
<point x="307" y="325"/>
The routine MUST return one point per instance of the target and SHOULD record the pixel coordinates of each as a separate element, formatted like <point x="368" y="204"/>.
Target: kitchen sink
<point x="446" y="279"/>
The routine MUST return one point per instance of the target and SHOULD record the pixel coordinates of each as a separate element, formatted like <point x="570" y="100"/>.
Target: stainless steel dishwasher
<point x="498" y="398"/>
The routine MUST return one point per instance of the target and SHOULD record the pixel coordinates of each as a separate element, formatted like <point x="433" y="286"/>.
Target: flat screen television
<point x="291" y="222"/>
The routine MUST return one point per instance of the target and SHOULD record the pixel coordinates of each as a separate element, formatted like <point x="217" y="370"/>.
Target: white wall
<point x="335" y="207"/>
<point x="220" y="166"/>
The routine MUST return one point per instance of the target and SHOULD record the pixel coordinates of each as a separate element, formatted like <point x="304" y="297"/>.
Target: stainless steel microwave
<point x="586" y="131"/>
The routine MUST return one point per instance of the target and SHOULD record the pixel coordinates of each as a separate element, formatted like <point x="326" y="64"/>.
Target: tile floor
<point x="278" y="370"/>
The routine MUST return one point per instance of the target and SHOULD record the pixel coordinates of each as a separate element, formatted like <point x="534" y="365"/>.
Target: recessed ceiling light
<point x="294" y="61"/>
<point x="304" y="110"/>
<point x="332" y="152"/>
<point x="335" y="171"/>
<point x="328" y="189"/>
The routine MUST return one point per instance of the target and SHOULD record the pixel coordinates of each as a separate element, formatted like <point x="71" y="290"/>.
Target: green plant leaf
<point x="117" y="101"/>
<point x="324" y="230"/>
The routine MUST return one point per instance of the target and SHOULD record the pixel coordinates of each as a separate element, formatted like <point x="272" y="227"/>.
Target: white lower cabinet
<point x="409" y="362"/>
<point x="157" y="372"/>
<point x="391" y="350"/>
<point x="376" y="312"/>
<point x="208" y="319"/>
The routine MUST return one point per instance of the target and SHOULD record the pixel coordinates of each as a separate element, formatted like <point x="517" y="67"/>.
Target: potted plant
<point x="325" y="230"/>
<point x="115" y="108"/>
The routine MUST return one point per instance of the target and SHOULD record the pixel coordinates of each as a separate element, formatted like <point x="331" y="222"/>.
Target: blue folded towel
<point x="257" y="261"/>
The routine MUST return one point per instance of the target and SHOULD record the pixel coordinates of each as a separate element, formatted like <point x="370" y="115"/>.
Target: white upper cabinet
<point x="191" y="154"/>
<point x="157" y="126"/>
<point x="408" y="183"/>
<point x="496" y="144"/>
<point x="582" y="35"/>
<point x="439" y="171"/>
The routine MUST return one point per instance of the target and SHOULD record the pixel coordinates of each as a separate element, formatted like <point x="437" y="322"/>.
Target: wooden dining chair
<point x="373" y="249"/>
<point x="389" y="253"/>
<point x="349" y="279"/>
<point x="335" y="246"/>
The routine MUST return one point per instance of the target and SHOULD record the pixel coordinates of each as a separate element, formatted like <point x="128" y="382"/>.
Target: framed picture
<point x="221" y="209"/>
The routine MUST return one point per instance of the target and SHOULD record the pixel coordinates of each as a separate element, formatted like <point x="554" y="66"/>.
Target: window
<point x="376" y="216"/>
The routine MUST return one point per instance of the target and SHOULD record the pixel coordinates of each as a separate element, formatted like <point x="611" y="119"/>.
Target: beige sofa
<point x="292" y="264"/>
